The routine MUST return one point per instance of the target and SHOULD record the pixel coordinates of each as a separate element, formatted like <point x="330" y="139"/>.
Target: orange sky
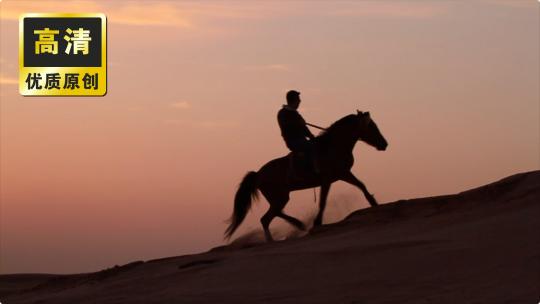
<point x="150" y="169"/>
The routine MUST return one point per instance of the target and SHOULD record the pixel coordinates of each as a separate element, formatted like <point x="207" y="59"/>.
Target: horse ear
<point x="359" y="112"/>
<point x="367" y="118"/>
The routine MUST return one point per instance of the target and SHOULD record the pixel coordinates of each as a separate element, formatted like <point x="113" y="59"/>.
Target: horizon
<point x="150" y="169"/>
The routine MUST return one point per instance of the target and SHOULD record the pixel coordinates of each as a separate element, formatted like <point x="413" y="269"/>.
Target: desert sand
<point x="477" y="246"/>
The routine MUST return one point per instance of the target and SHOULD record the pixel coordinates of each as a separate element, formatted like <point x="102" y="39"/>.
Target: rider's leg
<point x="298" y="149"/>
<point x="312" y="158"/>
<point x="310" y="162"/>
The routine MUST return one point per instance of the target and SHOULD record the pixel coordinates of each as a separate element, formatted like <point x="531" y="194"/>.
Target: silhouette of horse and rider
<point x="314" y="161"/>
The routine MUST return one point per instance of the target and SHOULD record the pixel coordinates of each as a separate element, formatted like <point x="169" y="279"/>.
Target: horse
<point x="334" y="156"/>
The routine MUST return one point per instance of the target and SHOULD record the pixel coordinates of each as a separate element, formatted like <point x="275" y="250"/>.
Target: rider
<point x="294" y="130"/>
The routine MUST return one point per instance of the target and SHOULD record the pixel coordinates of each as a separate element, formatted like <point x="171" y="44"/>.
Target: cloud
<point x="11" y="10"/>
<point x="135" y="108"/>
<point x="160" y="14"/>
<point x="269" y="67"/>
<point x="209" y="124"/>
<point x="8" y="80"/>
<point x="204" y="124"/>
<point x="389" y="9"/>
<point x="204" y="15"/>
<point x="513" y="4"/>
<point x="128" y="13"/>
<point x="181" y="105"/>
<point x="157" y="13"/>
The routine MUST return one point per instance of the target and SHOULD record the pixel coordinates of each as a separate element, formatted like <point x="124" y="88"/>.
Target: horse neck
<point x="343" y="142"/>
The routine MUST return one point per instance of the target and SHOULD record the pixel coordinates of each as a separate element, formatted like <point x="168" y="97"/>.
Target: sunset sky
<point x="150" y="170"/>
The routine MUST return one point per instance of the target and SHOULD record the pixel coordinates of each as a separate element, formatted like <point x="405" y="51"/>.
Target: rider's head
<point x="293" y="99"/>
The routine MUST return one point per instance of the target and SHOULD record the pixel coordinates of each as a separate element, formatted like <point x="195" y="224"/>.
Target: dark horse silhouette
<point x="333" y="150"/>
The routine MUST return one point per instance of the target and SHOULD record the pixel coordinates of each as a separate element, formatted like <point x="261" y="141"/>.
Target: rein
<point x="315" y="126"/>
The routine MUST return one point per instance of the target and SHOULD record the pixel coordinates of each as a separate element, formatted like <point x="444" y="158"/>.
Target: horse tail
<point x="247" y="191"/>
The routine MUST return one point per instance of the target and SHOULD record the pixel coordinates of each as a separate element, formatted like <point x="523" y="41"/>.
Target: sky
<point x="150" y="170"/>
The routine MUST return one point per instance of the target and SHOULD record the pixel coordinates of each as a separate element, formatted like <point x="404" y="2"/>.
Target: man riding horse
<point x="335" y="160"/>
<point x="295" y="132"/>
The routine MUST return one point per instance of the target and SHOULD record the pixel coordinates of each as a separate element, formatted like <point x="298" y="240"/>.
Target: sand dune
<point x="478" y="246"/>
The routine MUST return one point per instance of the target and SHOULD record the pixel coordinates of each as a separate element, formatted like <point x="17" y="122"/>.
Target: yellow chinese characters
<point x="78" y="41"/>
<point x="46" y="42"/>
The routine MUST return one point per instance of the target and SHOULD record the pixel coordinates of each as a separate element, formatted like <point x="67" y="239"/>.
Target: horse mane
<point x="338" y="127"/>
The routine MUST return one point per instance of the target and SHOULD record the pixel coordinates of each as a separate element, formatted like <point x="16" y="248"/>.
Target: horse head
<point x="368" y="131"/>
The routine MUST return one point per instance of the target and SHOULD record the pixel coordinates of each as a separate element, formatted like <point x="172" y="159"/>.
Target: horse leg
<point x="351" y="179"/>
<point x="265" y="222"/>
<point x="325" y="188"/>
<point x="293" y="221"/>
<point x="277" y="202"/>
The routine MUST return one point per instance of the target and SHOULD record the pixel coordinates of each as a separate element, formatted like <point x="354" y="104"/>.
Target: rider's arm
<point x="308" y="132"/>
